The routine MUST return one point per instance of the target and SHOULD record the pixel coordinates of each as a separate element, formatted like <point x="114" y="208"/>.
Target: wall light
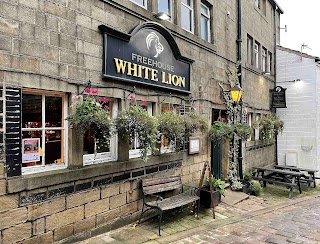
<point x="236" y="93"/>
<point x="162" y="16"/>
<point x="266" y="73"/>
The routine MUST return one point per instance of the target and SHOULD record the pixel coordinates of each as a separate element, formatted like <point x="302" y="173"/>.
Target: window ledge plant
<point x="90" y="114"/>
<point x="136" y="122"/>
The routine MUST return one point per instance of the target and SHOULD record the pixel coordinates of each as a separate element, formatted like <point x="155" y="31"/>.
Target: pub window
<point x="43" y="131"/>
<point x="250" y="118"/>
<point x="205" y="22"/>
<point x="166" y="146"/>
<point x="249" y="49"/>
<point x="164" y="6"/>
<point x="264" y="60"/>
<point x="187" y="17"/>
<point x="92" y="153"/>
<point x="142" y="3"/>
<point x="256" y="129"/>
<point x="256" y="54"/>
<point x="134" y="147"/>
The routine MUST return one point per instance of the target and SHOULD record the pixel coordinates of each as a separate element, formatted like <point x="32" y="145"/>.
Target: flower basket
<point x="135" y="122"/>
<point x="219" y="132"/>
<point x="90" y="114"/>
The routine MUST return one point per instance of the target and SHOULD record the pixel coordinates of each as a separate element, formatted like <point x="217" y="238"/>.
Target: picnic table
<point x="307" y="178"/>
<point x="288" y="178"/>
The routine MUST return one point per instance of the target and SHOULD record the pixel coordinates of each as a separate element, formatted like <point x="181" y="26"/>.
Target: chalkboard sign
<point x="279" y="97"/>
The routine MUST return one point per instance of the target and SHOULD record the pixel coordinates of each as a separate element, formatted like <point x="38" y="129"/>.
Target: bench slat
<point x="157" y="181"/>
<point x="162" y="187"/>
<point x="274" y="181"/>
<point x="174" y="201"/>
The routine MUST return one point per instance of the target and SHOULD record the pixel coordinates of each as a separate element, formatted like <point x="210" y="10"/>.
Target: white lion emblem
<point x="157" y="45"/>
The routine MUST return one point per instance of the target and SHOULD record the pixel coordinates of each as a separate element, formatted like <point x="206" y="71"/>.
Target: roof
<point x="275" y="4"/>
<point x="305" y="55"/>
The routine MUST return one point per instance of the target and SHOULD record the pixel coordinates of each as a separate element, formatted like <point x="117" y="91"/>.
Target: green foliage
<point x="194" y="123"/>
<point x="219" y="132"/>
<point x="217" y="185"/>
<point x="90" y="114"/>
<point x="136" y="122"/>
<point x="270" y="126"/>
<point x="233" y="75"/>
<point x="256" y="188"/>
<point x="172" y="126"/>
<point x="236" y="185"/>
<point x="243" y="130"/>
<point x="247" y="176"/>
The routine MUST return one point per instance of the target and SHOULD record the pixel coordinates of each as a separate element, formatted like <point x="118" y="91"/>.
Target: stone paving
<point x="251" y="221"/>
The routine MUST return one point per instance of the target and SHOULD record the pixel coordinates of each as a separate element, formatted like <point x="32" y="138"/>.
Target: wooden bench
<point x="310" y="178"/>
<point x="286" y="178"/>
<point x="153" y="187"/>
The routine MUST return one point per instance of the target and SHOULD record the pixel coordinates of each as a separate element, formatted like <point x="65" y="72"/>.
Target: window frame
<point x="112" y="155"/>
<point x="208" y="21"/>
<point x="257" y="4"/>
<point x="170" y="8"/>
<point x="256" y="54"/>
<point x="136" y="153"/>
<point x="249" y="49"/>
<point x="269" y="60"/>
<point x="144" y="5"/>
<point x="64" y="132"/>
<point x="264" y="59"/>
<point x="191" y="8"/>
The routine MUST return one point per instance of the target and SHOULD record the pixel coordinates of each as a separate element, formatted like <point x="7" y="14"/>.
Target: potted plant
<point x="270" y="125"/>
<point x="218" y="188"/>
<point x="135" y="122"/>
<point x="247" y="178"/>
<point x="244" y="131"/>
<point x="219" y="132"/>
<point x="90" y="114"/>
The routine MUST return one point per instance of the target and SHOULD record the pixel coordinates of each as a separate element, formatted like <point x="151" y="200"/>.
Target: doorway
<point x="219" y="153"/>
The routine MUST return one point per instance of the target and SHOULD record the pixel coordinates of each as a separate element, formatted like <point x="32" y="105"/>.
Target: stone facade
<point x="55" y="45"/>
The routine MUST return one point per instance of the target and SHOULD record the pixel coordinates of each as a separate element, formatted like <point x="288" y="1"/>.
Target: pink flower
<point x="222" y="119"/>
<point x="95" y="91"/>
<point x="131" y="97"/>
<point x="87" y="90"/>
<point x="144" y="102"/>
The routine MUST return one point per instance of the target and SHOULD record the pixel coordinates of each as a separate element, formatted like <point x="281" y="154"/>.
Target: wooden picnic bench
<point x="310" y="178"/>
<point x="290" y="179"/>
<point x="152" y="188"/>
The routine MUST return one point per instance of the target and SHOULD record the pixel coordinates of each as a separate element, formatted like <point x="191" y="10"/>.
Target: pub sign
<point x="148" y="55"/>
<point x="278" y="97"/>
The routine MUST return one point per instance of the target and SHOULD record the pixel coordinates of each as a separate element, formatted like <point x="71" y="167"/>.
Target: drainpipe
<point x="239" y="41"/>
<point x="275" y="68"/>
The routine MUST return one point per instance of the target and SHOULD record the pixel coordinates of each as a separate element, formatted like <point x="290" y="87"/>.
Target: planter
<point x="246" y="186"/>
<point x="205" y="198"/>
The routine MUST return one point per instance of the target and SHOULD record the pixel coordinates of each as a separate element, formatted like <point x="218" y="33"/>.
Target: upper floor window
<point x="258" y="3"/>
<point x="249" y="49"/>
<point x="142" y="3"/>
<point x="269" y="66"/>
<point x="256" y="54"/>
<point x="187" y="15"/>
<point x="164" y="6"/>
<point x="205" y="22"/>
<point x="264" y="60"/>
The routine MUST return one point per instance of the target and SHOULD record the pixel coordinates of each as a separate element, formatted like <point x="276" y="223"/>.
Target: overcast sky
<point x="301" y="17"/>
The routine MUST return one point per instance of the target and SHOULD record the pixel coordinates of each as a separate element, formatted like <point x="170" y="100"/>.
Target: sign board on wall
<point x="279" y="97"/>
<point x="148" y="55"/>
<point x="31" y="150"/>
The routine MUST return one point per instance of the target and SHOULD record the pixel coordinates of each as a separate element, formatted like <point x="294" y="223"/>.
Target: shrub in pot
<point x="218" y="188"/>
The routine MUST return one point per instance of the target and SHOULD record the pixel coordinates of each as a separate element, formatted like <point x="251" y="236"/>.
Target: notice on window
<point x="31" y="150"/>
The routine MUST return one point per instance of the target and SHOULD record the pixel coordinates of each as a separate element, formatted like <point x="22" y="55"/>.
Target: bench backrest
<point x="156" y="185"/>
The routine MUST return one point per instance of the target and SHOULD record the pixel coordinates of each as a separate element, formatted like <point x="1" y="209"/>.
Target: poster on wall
<point x="31" y="150"/>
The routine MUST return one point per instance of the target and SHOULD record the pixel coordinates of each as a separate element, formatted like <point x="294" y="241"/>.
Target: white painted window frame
<point x="136" y="153"/>
<point x="170" y="10"/>
<point x="144" y="5"/>
<point x="207" y="17"/>
<point x="89" y="159"/>
<point x="256" y="55"/>
<point x="192" y="16"/>
<point x="249" y="50"/>
<point x="269" y="62"/>
<point x="264" y="59"/>
<point x="64" y="128"/>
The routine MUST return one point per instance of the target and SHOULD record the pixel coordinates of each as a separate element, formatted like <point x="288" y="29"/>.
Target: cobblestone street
<point x="298" y="223"/>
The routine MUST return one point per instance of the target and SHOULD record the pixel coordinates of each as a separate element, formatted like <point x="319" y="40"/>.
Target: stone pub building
<point x="55" y="184"/>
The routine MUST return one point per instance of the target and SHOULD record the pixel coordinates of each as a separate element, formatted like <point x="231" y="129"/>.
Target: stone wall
<point x="56" y="45"/>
